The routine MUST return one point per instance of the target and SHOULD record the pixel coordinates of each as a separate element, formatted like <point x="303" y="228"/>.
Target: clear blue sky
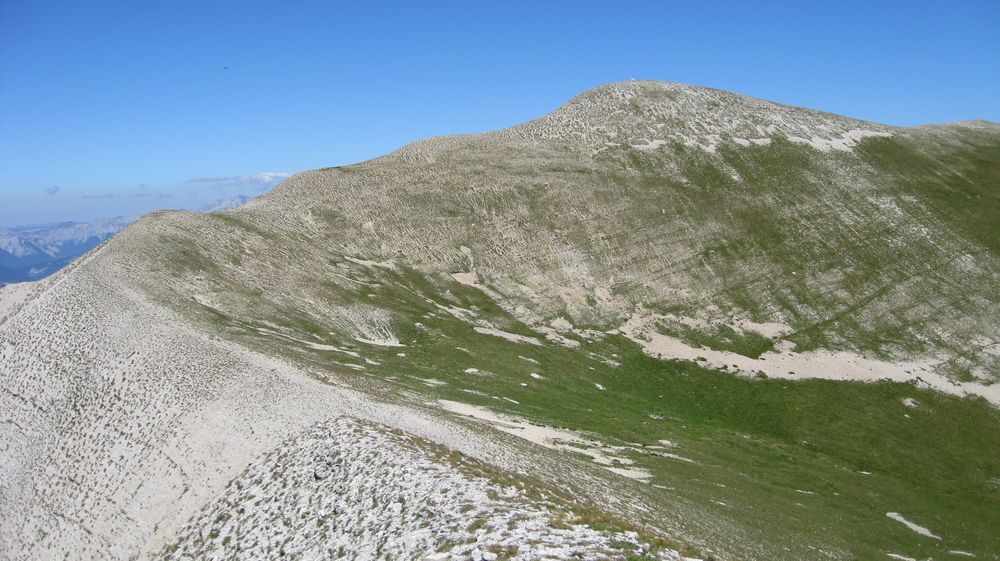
<point x="109" y="108"/>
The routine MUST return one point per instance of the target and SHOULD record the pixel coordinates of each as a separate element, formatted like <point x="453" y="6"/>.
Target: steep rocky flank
<point x="698" y="202"/>
<point x="649" y="309"/>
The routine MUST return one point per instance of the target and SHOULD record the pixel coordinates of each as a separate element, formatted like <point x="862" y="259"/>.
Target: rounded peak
<point x="633" y="94"/>
<point x="628" y="89"/>
<point x="974" y="124"/>
<point x="648" y="114"/>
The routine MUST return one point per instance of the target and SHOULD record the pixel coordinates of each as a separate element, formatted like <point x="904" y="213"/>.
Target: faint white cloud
<point x="267" y="176"/>
<point x="208" y="179"/>
<point x="263" y="179"/>
<point x="148" y="194"/>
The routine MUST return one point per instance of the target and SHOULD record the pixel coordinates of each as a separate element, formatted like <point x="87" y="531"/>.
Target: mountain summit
<point x="675" y="197"/>
<point x="646" y="115"/>
<point x="662" y="321"/>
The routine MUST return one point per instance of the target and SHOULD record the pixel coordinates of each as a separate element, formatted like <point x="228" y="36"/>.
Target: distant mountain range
<point x="33" y="252"/>
<point x="29" y="253"/>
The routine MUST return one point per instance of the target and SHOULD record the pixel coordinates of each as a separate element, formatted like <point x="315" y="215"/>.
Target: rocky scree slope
<point x="527" y="270"/>
<point x="332" y="481"/>
<point x="120" y="423"/>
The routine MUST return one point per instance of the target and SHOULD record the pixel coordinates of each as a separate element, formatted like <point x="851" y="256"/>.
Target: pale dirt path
<point x="789" y="365"/>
